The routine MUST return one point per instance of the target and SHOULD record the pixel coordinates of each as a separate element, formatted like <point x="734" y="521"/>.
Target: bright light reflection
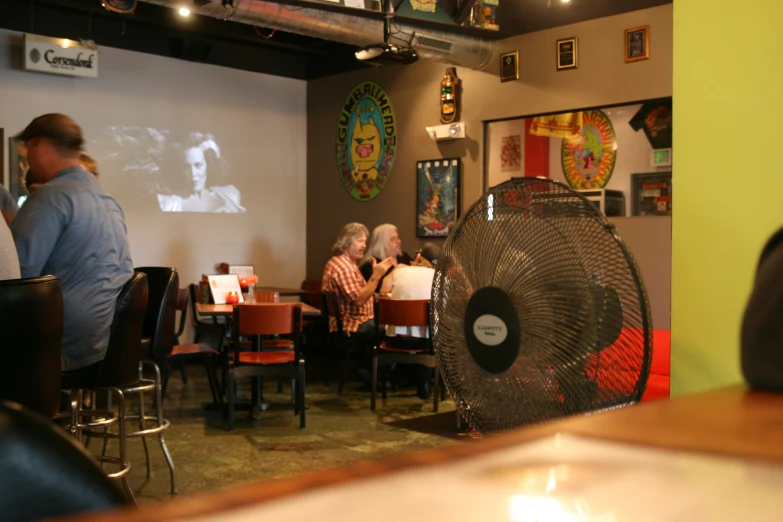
<point x="540" y="509"/>
<point x="490" y="207"/>
<point x="184" y="11"/>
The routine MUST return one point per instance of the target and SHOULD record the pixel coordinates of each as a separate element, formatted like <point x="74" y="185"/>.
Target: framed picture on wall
<point x="437" y="196"/>
<point x="637" y="44"/>
<point x="651" y="194"/>
<point x="567" y="54"/>
<point x="17" y="168"/>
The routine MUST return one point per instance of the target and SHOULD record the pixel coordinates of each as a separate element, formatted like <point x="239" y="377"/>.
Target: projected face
<point x="196" y="168"/>
<point x="177" y="172"/>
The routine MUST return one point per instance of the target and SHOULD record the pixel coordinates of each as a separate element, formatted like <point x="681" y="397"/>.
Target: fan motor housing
<point x="492" y="329"/>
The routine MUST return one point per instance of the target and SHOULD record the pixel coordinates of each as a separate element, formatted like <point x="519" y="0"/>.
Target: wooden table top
<point x="282" y="291"/>
<point x="731" y="422"/>
<point x="227" y="310"/>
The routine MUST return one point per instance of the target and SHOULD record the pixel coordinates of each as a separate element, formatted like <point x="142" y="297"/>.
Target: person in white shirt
<point x="414" y="282"/>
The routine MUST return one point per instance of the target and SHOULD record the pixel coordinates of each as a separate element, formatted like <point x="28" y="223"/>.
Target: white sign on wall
<point x="59" y="56"/>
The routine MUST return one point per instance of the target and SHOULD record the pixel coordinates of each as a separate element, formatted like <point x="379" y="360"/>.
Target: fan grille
<point x="584" y="323"/>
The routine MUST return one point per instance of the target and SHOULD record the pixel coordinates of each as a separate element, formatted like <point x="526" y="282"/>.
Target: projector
<point x="383" y="54"/>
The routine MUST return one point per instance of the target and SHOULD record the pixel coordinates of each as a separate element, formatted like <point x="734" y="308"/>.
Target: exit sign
<point x="662" y="158"/>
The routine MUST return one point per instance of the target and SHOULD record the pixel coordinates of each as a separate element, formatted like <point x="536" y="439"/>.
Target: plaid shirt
<point x="342" y="276"/>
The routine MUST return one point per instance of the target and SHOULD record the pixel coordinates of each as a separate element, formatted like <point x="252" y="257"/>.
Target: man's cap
<point x="431" y="252"/>
<point x="56" y="127"/>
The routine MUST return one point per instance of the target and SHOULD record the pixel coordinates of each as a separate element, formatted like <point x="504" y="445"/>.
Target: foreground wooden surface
<point x="730" y="421"/>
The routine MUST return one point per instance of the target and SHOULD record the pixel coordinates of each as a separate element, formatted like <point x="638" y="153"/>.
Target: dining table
<point x="227" y="310"/>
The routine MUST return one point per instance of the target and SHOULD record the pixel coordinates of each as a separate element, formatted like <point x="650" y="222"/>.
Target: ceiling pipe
<point x="441" y="46"/>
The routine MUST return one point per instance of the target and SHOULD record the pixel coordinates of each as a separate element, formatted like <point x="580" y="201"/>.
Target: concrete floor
<point x="340" y="431"/>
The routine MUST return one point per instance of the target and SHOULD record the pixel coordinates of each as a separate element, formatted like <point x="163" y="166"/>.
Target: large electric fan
<point x="538" y="309"/>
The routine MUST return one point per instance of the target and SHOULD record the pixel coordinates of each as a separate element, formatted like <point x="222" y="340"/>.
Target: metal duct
<point x="440" y="46"/>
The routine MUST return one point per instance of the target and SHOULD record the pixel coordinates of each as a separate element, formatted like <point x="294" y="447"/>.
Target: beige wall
<point x="259" y="122"/>
<point x="602" y="78"/>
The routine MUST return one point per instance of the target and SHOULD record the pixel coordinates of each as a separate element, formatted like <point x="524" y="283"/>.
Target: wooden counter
<point x="730" y="422"/>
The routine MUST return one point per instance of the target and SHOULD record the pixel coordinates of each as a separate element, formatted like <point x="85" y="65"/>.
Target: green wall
<point x="728" y="109"/>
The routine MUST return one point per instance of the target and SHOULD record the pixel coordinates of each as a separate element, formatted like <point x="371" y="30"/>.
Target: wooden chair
<point x="257" y="320"/>
<point x="206" y="346"/>
<point x="343" y="343"/>
<point x="403" y="349"/>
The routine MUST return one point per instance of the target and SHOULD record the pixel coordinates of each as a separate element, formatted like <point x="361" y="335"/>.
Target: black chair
<point x="206" y="346"/>
<point x="31" y="322"/>
<point x="343" y="343"/>
<point x="119" y="368"/>
<point x="45" y="474"/>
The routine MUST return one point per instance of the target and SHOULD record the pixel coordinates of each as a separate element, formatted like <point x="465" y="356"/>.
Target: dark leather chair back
<point x="44" y="473"/>
<point x="31" y="322"/>
<point x="159" y="323"/>
<point x="120" y="367"/>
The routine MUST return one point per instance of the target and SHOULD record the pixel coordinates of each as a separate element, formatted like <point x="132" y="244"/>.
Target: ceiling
<point x="161" y="31"/>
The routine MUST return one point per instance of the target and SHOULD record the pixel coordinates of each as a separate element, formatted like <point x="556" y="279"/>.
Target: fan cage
<point x="586" y="330"/>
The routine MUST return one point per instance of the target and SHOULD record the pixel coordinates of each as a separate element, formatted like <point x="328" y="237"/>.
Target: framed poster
<point x="437" y="196"/>
<point x="17" y="169"/>
<point x="651" y="194"/>
<point x="637" y="44"/>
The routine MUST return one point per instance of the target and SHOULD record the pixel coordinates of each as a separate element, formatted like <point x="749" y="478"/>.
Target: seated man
<point x="75" y="231"/>
<point x="384" y="242"/>
<point x="342" y="276"/>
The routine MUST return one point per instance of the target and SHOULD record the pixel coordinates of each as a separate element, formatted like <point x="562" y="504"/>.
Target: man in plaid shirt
<point x="342" y="276"/>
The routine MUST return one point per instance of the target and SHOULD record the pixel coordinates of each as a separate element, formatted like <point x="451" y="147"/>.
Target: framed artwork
<point x="637" y="44"/>
<point x="651" y="194"/>
<point x="509" y="66"/>
<point x="17" y="168"/>
<point x="511" y="153"/>
<point x="567" y="54"/>
<point x="437" y="196"/>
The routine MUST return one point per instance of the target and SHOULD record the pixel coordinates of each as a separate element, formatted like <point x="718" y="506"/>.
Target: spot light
<point x="184" y="11"/>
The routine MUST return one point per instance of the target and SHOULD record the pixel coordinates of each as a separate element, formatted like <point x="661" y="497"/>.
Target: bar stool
<point x="156" y="345"/>
<point x="116" y="370"/>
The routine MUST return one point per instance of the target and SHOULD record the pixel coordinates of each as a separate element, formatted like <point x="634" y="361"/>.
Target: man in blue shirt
<point x="73" y="230"/>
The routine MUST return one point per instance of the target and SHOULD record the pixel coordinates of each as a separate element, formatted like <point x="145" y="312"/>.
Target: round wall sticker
<point x="589" y="158"/>
<point x="366" y="141"/>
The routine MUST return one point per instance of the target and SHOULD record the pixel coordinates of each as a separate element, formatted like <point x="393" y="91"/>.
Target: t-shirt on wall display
<point x="620" y="157"/>
<point x="190" y="172"/>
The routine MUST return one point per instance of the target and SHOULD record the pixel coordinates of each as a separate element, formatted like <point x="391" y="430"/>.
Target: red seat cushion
<point x="266" y="357"/>
<point x="616" y="368"/>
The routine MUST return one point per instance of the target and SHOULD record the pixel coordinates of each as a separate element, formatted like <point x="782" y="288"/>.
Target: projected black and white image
<point x="174" y="174"/>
